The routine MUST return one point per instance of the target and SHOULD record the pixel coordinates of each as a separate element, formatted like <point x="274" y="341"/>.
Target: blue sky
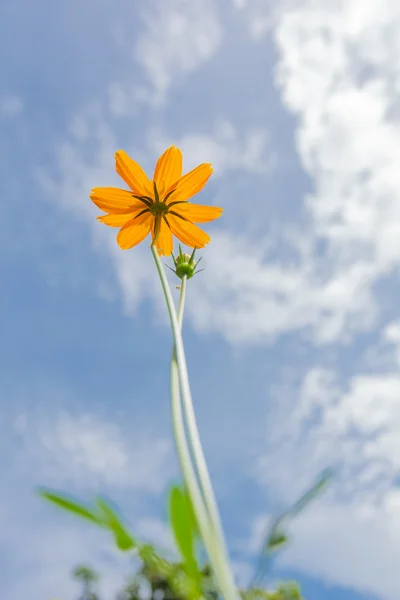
<point x="292" y="331"/>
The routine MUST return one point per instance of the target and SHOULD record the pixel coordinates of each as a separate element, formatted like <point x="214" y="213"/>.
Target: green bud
<point x="185" y="265"/>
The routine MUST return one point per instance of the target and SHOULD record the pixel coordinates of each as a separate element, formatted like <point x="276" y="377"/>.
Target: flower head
<point x="159" y="206"/>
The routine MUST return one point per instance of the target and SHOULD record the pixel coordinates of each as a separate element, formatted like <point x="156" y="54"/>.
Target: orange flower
<point x="159" y="206"/>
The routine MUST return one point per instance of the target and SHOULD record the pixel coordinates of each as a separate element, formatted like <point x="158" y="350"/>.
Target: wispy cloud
<point x="353" y="426"/>
<point x="83" y="453"/>
<point x="178" y="37"/>
<point x="227" y="147"/>
<point x="10" y="105"/>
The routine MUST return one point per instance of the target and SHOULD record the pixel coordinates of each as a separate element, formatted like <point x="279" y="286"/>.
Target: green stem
<point x="181" y="305"/>
<point x="183" y="450"/>
<point x="179" y="429"/>
<point x="205" y="480"/>
<point x="206" y="509"/>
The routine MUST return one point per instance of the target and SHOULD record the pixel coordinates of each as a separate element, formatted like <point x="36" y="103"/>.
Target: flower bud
<point x="185" y="265"/>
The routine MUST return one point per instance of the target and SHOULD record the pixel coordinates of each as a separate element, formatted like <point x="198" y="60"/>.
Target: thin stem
<point x="189" y="474"/>
<point x="205" y="480"/>
<point x="181" y="305"/>
<point x="183" y="448"/>
<point x="179" y="428"/>
<point x="208" y="518"/>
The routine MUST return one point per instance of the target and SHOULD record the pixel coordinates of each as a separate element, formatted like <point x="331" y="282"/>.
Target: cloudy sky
<point x="293" y="329"/>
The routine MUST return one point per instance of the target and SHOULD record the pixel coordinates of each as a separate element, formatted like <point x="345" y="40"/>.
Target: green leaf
<point x="315" y="490"/>
<point x="103" y="515"/>
<point x="184" y="527"/>
<point x="276" y="536"/>
<point x="74" y="506"/>
<point x="85" y="574"/>
<point x="277" y="539"/>
<point x="123" y="538"/>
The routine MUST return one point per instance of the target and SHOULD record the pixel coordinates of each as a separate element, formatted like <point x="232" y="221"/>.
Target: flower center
<point x="158" y="209"/>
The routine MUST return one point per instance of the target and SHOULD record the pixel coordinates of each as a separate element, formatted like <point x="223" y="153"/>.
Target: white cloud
<point x="239" y="4"/>
<point x="258" y="15"/>
<point x="158" y="532"/>
<point x="74" y="173"/>
<point x="357" y="425"/>
<point x="175" y="38"/>
<point x="179" y="36"/>
<point x="350" y="537"/>
<point x="73" y="451"/>
<point x="391" y="335"/>
<point x="86" y="450"/>
<point x="251" y="299"/>
<point x="346" y="546"/>
<point x="344" y="95"/>
<point x="79" y="449"/>
<point x="46" y="552"/>
<point x="339" y="72"/>
<point x="227" y="147"/>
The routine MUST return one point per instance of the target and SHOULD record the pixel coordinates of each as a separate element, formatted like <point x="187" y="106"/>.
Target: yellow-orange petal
<point x="198" y="213"/>
<point x="133" y="174"/>
<point x="165" y="243"/>
<point x="114" y="200"/>
<point x="134" y="231"/>
<point x="191" y="183"/>
<point x="168" y="169"/>
<point x="115" y="220"/>
<point x="187" y="232"/>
